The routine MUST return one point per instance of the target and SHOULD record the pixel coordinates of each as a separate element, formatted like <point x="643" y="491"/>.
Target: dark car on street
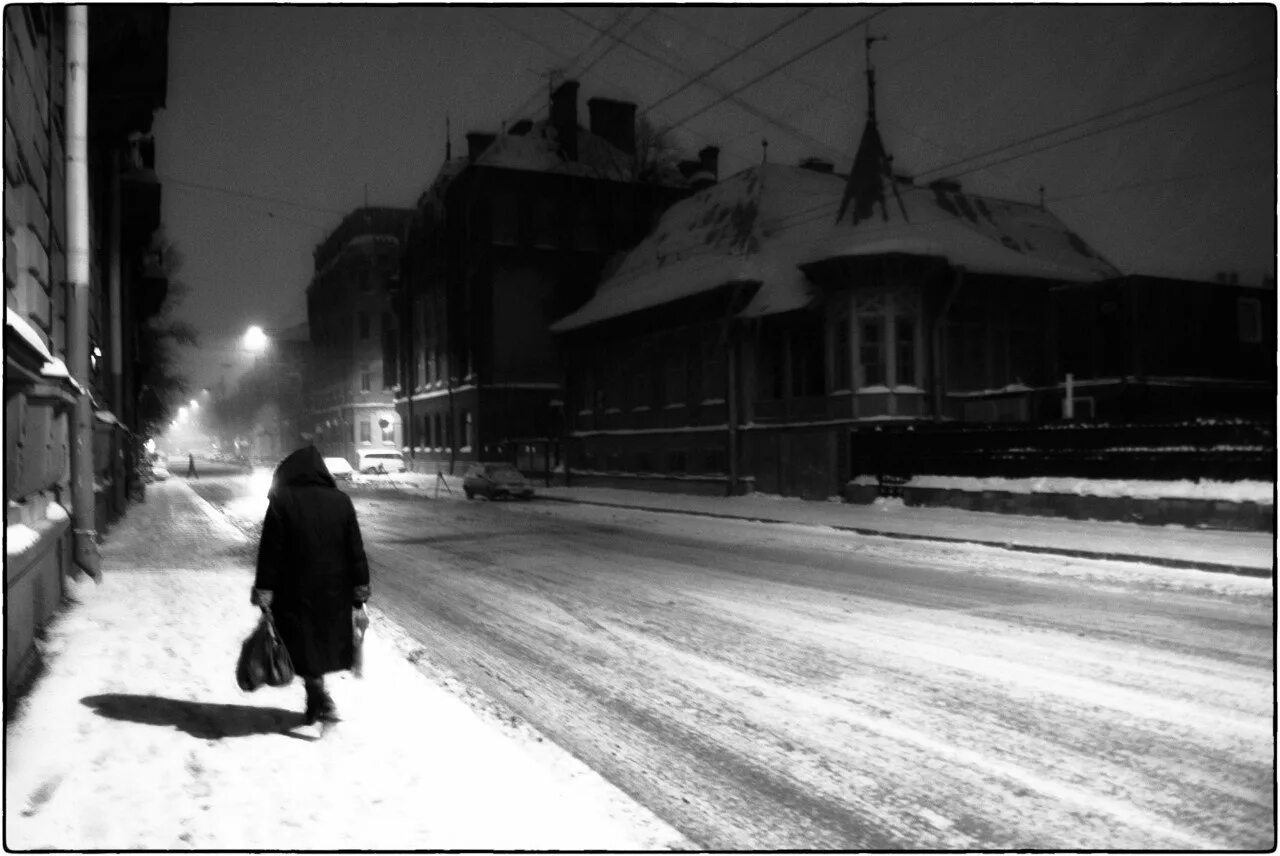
<point x="495" y="480"/>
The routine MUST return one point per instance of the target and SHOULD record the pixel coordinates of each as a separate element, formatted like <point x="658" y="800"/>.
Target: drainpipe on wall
<point x="85" y="547"/>
<point x="957" y="283"/>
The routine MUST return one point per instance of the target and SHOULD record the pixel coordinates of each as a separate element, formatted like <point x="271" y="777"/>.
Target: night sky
<point x="281" y="119"/>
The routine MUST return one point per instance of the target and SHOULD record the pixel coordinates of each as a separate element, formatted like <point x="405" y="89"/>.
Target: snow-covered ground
<point x="137" y="736"/>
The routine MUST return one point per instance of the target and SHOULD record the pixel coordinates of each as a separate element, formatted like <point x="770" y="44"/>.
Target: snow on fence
<point x="1217" y="449"/>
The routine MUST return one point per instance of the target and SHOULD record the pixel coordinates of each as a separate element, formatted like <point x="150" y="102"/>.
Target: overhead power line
<point x="730" y="58"/>
<point x="1115" y="125"/>
<point x="777" y="68"/>
<point x="782" y="125"/>
<point x="1105" y="114"/>
<point x="631" y="29"/>
<point x="243" y="206"/>
<point x="532" y="98"/>
<point x="168" y="179"/>
<point x="1268" y="164"/>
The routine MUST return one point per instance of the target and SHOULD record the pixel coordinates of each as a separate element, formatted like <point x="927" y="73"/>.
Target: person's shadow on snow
<point x="205" y="720"/>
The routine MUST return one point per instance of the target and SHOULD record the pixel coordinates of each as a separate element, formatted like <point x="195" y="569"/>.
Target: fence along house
<point x="764" y="319"/>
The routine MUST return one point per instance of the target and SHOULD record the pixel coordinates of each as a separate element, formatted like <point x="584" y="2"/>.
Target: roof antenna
<point x="448" y="140"/>
<point x="871" y="74"/>
<point x="764" y="151"/>
<point x="1042" y="197"/>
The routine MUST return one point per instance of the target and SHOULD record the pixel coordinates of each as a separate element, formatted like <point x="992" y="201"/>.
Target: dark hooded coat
<point x="312" y="557"/>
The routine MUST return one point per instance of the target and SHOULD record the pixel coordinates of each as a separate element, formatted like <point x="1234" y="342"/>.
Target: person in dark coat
<point x="312" y="573"/>
<point x="191" y="467"/>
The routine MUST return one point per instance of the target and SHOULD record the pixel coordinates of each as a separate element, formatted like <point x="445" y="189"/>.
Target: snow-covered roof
<point x="765" y="223"/>
<point x="538" y="150"/>
<point x="978" y="233"/>
<point x="718" y="236"/>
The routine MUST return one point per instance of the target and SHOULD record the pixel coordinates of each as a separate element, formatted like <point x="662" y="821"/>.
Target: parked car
<point x="339" y="468"/>
<point x="496" y="480"/>
<point x="158" y="471"/>
<point x="379" y="461"/>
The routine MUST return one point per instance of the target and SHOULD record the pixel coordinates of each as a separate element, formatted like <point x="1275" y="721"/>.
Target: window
<point x="545" y="222"/>
<point x="675" y="378"/>
<point x="677" y="461"/>
<point x="713" y="370"/>
<point x="366" y="378"/>
<point x="840" y="357"/>
<point x="808" y="362"/>
<point x="694" y="374"/>
<point x="905" y="370"/>
<point x="467" y="429"/>
<point x="871" y="352"/>
<point x="366" y="431"/>
<point x="364" y="324"/>
<point x="388" y="430"/>
<point x="1249" y="319"/>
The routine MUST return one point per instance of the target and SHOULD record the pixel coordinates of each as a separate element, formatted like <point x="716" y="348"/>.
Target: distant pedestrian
<point x="191" y="467"/>
<point x="312" y="573"/>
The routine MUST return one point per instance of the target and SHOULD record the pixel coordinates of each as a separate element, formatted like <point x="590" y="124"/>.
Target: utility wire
<point x="167" y="179"/>
<point x="737" y="101"/>
<point x="777" y="68"/>
<point x="621" y="39"/>
<point x="1267" y="164"/>
<point x="1105" y="114"/>
<point x="533" y="96"/>
<point x="1113" y="126"/>
<point x="272" y="215"/>
<point x="560" y="55"/>
<point x="730" y="58"/>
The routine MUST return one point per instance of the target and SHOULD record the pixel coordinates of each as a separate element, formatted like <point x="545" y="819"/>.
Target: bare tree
<point x="656" y="156"/>
<point x="159" y="337"/>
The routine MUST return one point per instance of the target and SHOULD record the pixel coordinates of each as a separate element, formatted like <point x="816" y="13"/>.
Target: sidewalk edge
<point x="1181" y="564"/>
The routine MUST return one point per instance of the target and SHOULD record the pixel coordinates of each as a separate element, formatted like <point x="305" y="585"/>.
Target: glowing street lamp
<point x="255" y="340"/>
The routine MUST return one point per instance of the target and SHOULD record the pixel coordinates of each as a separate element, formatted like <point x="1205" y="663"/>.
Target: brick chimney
<point x="709" y="158"/>
<point x="477" y="142"/>
<point x="614" y="121"/>
<point x="564" y="117"/>
<point x="705" y="171"/>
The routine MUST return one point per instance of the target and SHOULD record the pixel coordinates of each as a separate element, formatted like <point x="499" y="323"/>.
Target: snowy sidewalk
<point x="137" y="736"/>
<point x="1203" y="549"/>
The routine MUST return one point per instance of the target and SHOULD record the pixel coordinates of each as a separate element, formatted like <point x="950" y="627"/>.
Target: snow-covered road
<point x="774" y="687"/>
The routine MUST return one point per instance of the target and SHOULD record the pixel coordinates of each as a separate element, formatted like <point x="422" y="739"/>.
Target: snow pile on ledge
<point x="1260" y="492"/>
<point x="19" y="538"/>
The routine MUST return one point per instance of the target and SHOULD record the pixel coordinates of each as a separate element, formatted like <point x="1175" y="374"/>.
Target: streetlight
<point x="255" y="340"/>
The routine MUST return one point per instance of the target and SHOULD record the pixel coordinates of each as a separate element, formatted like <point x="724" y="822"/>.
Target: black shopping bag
<point x="263" y="658"/>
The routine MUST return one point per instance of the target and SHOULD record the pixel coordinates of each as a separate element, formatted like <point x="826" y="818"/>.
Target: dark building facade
<point x="509" y="237"/>
<point x="351" y="315"/>
<point x="127" y="76"/>
<point x="766" y="322"/>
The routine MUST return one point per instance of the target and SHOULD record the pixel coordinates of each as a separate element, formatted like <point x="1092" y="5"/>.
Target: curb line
<point x="1181" y="564"/>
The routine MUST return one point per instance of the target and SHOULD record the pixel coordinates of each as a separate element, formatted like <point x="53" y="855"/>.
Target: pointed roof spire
<point x="871" y="165"/>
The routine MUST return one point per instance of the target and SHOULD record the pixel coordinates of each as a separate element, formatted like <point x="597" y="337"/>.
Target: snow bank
<point x="1260" y="492"/>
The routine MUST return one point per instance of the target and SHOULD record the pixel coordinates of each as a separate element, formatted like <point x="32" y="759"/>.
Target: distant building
<point x="765" y="322"/>
<point x="127" y="79"/>
<point x="509" y="237"/>
<point x="351" y="317"/>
